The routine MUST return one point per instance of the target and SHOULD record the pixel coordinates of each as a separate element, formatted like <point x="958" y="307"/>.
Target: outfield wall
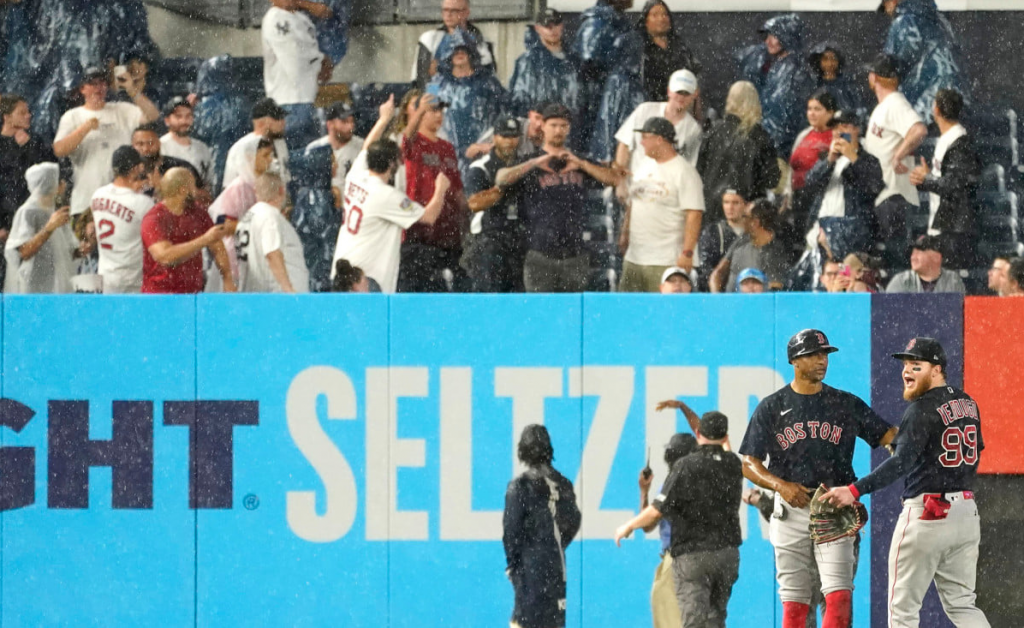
<point x="342" y="459"/>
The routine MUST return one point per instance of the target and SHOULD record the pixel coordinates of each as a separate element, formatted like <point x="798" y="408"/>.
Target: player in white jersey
<point x="376" y="213"/>
<point x="117" y="209"/>
<point x="268" y="243"/>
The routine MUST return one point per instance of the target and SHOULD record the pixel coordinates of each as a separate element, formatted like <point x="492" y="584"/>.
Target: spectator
<point x="40" y="247"/>
<point x="268" y="121"/>
<point x="926" y="273"/>
<point x="757" y="248"/>
<point x="540" y="520"/>
<point x="926" y="53"/>
<point x="998" y="273"/>
<point x="132" y="73"/>
<point x="682" y="91"/>
<point x="841" y="188"/>
<point x="376" y="213"/>
<point x="454" y="14"/>
<point x="623" y="93"/>
<point x="87" y="258"/>
<point x="777" y="69"/>
<point x="18" y="151"/>
<point x="599" y="28"/>
<point x="341" y="137"/>
<point x="831" y="279"/>
<point x="174" y="233"/>
<point x="396" y="132"/>
<point x="431" y="247"/>
<point x="662" y="222"/>
<point x="664" y="50"/>
<point x="546" y="71"/>
<point x="317" y="215"/>
<point x="222" y="112"/>
<point x="863" y="272"/>
<point x="531" y="140"/>
<point x="146" y="140"/>
<point x="894" y="133"/>
<point x="676" y="280"/>
<point x="551" y="201"/>
<point x="718" y="237"/>
<point x="179" y="143"/>
<point x="293" y="66"/>
<point x="811" y="144"/>
<point x="751" y="281"/>
<point x="270" y="246"/>
<point x="736" y="152"/>
<point x="494" y="259"/>
<point x="349" y="278"/>
<point x="1014" y="286"/>
<point x="89" y="134"/>
<point x="119" y="208"/>
<point x="952" y="184"/>
<point x="827" y="65"/>
<point x="472" y="95"/>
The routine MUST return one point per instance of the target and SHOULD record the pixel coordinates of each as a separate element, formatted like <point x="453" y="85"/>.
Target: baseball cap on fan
<point x="682" y="81"/>
<point x="339" y="111"/>
<point x="884" y="66"/>
<point x="268" y="108"/>
<point x="548" y="17"/>
<point x="507" y="126"/>
<point x="660" y="127"/>
<point x="924" y="349"/>
<point x="675" y="270"/>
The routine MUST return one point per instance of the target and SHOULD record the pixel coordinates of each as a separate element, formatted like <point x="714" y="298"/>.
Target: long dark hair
<point x="535" y="446"/>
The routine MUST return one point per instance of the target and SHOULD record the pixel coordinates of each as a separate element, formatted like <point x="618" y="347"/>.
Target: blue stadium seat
<point x="993" y="179"/>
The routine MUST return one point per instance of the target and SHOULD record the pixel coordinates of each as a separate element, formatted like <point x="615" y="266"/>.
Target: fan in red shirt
<point x="174" y="234"/>
<point x="810" y="145"/>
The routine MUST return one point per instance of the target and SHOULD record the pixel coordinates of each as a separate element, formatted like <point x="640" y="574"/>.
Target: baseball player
<point x="937" y="534"/>
<point x="807" y="431"/>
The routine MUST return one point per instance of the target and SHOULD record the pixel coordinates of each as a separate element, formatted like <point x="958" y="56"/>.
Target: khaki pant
<point x="664" y="607"/>
<point x="637" y="278"/>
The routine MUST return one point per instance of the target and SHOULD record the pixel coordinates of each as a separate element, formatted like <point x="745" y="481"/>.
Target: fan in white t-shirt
<point x="292" y="61"/>
<point x="341" y="124"/>
<point x="666" y="208"/>
<point x="268" y="243"/>
<point x="376" y="213"/>
<point x="179" y="143"/>
<point x="117" y="210"/>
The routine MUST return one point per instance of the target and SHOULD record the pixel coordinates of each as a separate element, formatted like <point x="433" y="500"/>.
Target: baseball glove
<point x="830" y="522"/>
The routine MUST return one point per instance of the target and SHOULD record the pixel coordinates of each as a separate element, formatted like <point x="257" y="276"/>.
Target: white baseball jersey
<point x="195" y="152"/>
<point x="688" y="134"/>
<point x="291" y="57"/>
<point x="375" y="216"/>
<point x="344" y="157"/>
<point x="118" y="213"/>
<point x="660" y="196"/>
<point x="890" y="122"/>
<point x="264" y="230"/>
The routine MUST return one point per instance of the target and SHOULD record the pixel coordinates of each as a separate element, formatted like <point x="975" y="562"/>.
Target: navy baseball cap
<point x="174" y="103"/>
<point x="808" y="342"/>
<point x="924" y="349"/>
<point x="507" y="126"/>
<point x="556" y="110"/>
<point x="339" y="111"/>
<point x="714" y="425"/>
<point x="845" y="116"/>
<point x="884" y="66"/>
<point x="548" y="17"/>
<point x="661" y="127"/>
<point x="268" y="108"/>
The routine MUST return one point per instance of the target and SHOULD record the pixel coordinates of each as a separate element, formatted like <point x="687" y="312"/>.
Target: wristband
<point x="853" y="489"/>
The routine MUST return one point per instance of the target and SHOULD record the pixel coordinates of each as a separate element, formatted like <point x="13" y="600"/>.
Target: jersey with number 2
<point x="375" y="216"/>
<point x="118" y="212"/>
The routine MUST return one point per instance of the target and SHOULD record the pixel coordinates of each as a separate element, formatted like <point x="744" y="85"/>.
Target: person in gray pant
<point x="701" y="499"/>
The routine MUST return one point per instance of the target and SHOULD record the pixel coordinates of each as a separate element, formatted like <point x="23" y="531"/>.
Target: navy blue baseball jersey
<point x="809" y="439"/>
<point x="938" y="447"/>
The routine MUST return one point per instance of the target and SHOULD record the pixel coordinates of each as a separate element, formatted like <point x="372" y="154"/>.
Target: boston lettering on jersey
<point x="815" y="429"/>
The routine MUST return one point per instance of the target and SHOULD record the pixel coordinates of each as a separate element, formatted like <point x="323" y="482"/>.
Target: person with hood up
<point x="600" y="26"/>
<point x="623" y="93"/>
<point x="546" y="72"/>
<point x="474" y="97"/>
<point x="315" y="217"/>
<point x="541" y="518"/>
<point x="454" y="14"/>
<point x="664" y="50"/>
<point x="40" y="248"/>
<point x="926" y="53"/>
<point x="777" y="69"/>
<point x="827" y="64"/>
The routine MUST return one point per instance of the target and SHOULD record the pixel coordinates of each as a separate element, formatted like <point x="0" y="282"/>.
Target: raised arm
<point x="386" y="112"/>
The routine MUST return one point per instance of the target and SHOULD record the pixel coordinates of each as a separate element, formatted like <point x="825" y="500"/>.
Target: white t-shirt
<point x="945" y="141"/>
<point x="236" y="162"/>
<point x="196" y="153"/>
<point x="890" y="122"/>
<point x="263" y="230"/>
<point x="375" y="216"/>
<point x="291" y="57"/>
<point x="344" y="157"/>
<point x="118" y="213"/>
<point x="688" y="134"/>
<point x="659" y="197"/>
<point x="92" y="158"/>
<point x="833" y="203"/>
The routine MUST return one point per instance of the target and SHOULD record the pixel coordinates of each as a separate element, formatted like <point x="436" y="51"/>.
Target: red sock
<point x="794" y="614"/>
<point x="838" y="610"/>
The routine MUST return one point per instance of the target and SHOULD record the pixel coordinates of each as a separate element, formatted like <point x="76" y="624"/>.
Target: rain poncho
<point x="785" y="85"/>
<point x="473" y="101"/>
<point x="332" y="33"/>
<point x="49" y="271"/>
<point x="315" y="218"/>
<point x="594" y="46"/>
<point x="541" y="76"/>
<point x="623" y="92"/>
<point x="927" y="55"/>
<point x="849" y="95"/>
<point x="222" y="114"/>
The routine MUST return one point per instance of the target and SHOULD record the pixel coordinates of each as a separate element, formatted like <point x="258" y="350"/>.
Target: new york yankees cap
<point x="924" y="349"/>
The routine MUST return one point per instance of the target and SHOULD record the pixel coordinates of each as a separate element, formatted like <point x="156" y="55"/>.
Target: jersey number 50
<point x="961" y="446"/>
<point x="355" y="220"/>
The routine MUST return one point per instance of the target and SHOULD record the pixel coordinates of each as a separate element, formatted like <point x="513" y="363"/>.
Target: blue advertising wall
<point x="342" y="459"/>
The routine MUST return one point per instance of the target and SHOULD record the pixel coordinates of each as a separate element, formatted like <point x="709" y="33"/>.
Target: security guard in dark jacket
<point x="701" y="499"/>
<point x="541" y="519"/>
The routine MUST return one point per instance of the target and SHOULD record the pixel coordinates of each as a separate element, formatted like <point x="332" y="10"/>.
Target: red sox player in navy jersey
<point x="806" y="432"/>
<point x="937" y="534"/>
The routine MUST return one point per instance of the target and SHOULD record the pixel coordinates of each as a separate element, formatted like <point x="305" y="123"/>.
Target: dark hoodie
<point x="540" y="76"/>
<point x="849" y="96"/>
<point x="658" y="63"/>
<point x="315" y="218"/>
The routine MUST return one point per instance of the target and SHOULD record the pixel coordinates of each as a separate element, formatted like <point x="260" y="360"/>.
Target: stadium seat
<point x="599" y="229"/>
<point x="993" y="179"/>
<point x="367" y="99"/>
